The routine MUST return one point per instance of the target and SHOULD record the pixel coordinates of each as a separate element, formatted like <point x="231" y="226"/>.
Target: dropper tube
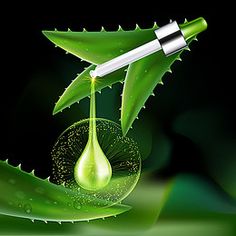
<point x="170" y="39"/>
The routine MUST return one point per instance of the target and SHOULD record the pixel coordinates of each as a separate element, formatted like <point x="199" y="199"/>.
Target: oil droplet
<point x="28" y="208"/>
<point x="77" y="205"/>
<point x="92" y="170"/>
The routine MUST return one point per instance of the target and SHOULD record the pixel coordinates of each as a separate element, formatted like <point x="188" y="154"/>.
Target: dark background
<point x="34" y="74"/>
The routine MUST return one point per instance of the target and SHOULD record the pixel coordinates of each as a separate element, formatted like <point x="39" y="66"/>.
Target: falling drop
<point x="92" y="170"/>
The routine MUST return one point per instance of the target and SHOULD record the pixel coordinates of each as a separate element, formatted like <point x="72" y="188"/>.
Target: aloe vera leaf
<point x="147" y="200"/>
<point x="81" y="86"/>
<point x="98" y="47"/>
<point x="143" y="76"/>
<point x="27" y="196"/>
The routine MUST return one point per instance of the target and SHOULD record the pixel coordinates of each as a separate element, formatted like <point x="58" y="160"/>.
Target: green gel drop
<point x="92" y="170"/>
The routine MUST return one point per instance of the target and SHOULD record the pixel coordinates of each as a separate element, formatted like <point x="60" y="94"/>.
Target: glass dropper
<point x="170" y="39"/>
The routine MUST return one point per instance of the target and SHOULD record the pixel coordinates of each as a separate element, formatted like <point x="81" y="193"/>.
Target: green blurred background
<point x="186" y="134"/>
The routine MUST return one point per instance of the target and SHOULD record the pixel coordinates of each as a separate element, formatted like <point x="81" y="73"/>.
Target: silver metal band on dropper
<point x="169" y="38"/>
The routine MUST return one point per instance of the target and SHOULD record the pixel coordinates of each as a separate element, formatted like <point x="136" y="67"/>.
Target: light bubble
<point x="122" y="153"/>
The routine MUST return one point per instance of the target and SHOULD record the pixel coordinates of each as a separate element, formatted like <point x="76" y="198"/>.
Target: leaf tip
<point x="55" y="110"/>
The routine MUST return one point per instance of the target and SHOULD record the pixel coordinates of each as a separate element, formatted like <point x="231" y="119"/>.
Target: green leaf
<point x="141" y="79"/>
<point x="80" y="87"/>
<point x="99" y="47"/>
<point x="28" y="196"/>
<point x="193" y="196"/>
<point x="143" y="76"/>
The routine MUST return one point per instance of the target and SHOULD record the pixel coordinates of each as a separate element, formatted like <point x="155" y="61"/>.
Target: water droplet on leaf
<point x="11" y="181"/>
<point x="20" y="195"/>
<point x="39" y="190"/>
<point x="28" y="208"/>
<point x="77" y="205"/>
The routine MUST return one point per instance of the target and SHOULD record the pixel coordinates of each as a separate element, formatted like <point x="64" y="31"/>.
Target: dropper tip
<point x="93" y="74"/>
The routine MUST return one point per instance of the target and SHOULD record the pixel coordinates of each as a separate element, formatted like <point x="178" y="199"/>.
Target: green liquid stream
<point x="92" y="170"/>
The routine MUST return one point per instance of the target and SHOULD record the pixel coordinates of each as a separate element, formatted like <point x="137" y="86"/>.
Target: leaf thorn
<point x="19" y="167"/>
<point x="103" y="29"/>
<point x="154" y="25"/>
<point x="48" y="179"/>
<point x="137" y="27"/>
<point x="120" y="28"/>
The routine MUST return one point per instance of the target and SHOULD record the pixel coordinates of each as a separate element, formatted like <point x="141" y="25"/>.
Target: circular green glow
<point x="121" y="152"/>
